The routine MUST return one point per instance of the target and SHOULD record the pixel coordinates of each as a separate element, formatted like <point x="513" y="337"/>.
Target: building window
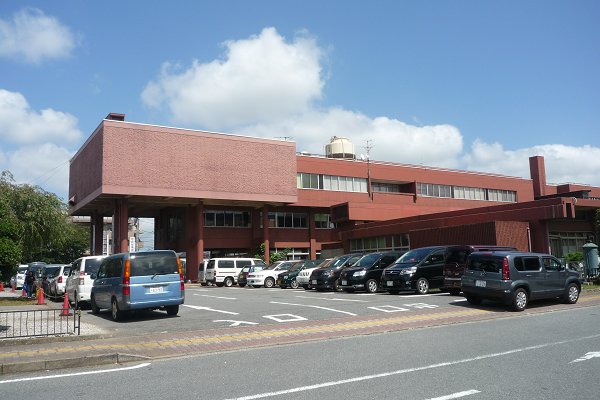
<point x="287" y="220"/>
<point x="227" y="219"/>
<point x="434" y="190"/>
<point x="323" y="221"/>
<point x="468" y="193"/>
<point x="380" y="243"/>
<point x="331" y="182"/>
<point x="502" y="195"/>
<point x="385" y="187"/>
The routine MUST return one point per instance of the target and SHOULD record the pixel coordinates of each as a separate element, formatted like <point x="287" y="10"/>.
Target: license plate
<point x="390" y="283"/>
<point x="344" y="283"/>
<point x="314" y="281"/>
<point x="480" y="283"/>
<point x="158" y="289"/>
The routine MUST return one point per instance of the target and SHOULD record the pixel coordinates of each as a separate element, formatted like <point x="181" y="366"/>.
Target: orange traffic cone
<point x="40" y="297"/>
<point x="1" y="286"/>
<point x="66" y="311"/>
<point x="24" y="292"/>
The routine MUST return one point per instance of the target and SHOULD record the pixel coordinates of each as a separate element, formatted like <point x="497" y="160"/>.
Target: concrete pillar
<point x="537" y="170"/>
<point x="312" y="235"/>
<point x="194" y="232"/>
<point x="265" y="224"/>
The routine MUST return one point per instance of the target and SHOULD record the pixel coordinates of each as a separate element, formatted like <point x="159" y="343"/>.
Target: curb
<point x="86" y="361"/>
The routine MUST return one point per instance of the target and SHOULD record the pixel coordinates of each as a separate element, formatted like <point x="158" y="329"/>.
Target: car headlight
<point x="359" y="273"/>
<point x="408" y="271"/>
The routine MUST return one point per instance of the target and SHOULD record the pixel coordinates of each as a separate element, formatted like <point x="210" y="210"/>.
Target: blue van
<point x="138" y="281"/>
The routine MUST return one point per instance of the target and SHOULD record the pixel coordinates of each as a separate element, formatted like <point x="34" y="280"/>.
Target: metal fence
<point x="36" y="323"/>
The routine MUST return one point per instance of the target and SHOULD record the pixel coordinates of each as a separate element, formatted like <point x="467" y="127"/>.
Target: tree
<point x="10" y="250"/>
<point x="275" y="256"/>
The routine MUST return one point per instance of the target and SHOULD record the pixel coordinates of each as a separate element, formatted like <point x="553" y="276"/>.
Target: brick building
<point x="227" y="194"/>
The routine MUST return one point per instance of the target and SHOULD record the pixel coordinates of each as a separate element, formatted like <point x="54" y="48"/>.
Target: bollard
<point x="13" y="288"/>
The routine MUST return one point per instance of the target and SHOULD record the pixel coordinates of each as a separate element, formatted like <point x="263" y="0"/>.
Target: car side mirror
<point x="94" y="276"/>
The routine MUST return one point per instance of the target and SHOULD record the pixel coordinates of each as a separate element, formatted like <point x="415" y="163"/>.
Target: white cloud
<point x="33" y="36"/>
<point x="262" y="79"/>
<point x="45" y="165"/>
<point x="564" y="164"/>
<point x="21" y="125"/>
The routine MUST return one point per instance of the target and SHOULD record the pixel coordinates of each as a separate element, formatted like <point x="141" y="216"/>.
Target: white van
<point x="224" y="271"/>
<point x="79" y="282"/>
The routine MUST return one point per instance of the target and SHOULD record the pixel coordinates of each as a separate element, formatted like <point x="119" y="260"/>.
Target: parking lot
<point x="221" y="307"/>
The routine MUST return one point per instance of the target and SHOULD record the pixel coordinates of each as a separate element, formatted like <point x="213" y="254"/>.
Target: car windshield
<point x="92" y="265"/>
<point x="22" y="270"/>
<point x="296" y="266"/>
<point x="341" y="261"/>
<point x="280" y="265"/>
<point x="245" y="269"/>
<point x="367" y="261"/>
<point x="51" y="271"/>
<point x="414" y="256"/>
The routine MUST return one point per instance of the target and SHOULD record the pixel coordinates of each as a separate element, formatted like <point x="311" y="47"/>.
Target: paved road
<point x="550" y="355"/>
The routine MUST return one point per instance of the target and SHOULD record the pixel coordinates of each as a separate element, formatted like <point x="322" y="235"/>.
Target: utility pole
<point x="368" y="146"/>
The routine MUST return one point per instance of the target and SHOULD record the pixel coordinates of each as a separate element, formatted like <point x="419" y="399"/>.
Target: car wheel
<point x="294" y="284"/>
<point x="422" y="286"/>
<point x="203" y="283"/>
<point x="473" y="300"/>
<point x="116" y="314"/>
<point x="228" y="282"/>
<point x="172" y="310"/>
<point x="454" y="292"/>
<point x="95" y="309"/>
<point x="219" y="284"/>
<point x="241" y="284"/>
<point x="572" y="294"/>
<point x="371" y="286"/>
<point x="519" y="299"/>
<point x="306" y="287"/>
<point x="269" y="282"/>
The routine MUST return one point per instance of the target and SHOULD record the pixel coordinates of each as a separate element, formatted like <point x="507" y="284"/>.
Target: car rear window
<point x="144" y="264"/>
<point x="485" y="263"/>
<point x="91" y="265"/>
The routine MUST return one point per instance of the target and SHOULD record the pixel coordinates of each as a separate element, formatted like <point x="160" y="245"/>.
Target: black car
<point x="365" y="273"/>
<point x="419" y="270"/>
<point x="326" y="278"/>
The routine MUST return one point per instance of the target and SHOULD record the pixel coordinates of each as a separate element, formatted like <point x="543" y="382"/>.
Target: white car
<point x="267" y="277"/>
<point x="19" y="278"/>
<point x="304" y="275"/>
<point x="80" y="281"/>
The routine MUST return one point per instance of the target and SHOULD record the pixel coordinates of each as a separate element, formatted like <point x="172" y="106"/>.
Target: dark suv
<point x="419" y="269"/>
<point x="514" y="278"/>
<point x="327" y="278"/>
<point x="365" y="273"/>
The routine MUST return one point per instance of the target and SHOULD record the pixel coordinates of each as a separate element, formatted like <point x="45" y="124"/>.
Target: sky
<point x="465" y="84"/>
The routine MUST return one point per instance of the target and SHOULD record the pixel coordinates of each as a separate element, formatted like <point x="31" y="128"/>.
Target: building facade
<point x="227" y="194"/>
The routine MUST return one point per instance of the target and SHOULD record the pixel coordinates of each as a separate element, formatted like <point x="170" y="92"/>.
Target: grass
<point x="16" y="301"/>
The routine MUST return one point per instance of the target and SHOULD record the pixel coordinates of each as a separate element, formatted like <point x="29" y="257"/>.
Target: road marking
<point x="235" y="323"/>
<point x="335" y="299"/>
<point x="457" y="395"/>
<point x="210" y="309"/>
<point x="290" y="317"/>
<point x="36" y="378"/>
<point x="588" y="356"/>
<point x="321" y="308"/>
<point x="389" y="309"/>
<point x="409" y="370"/>
<point x="421" y="306"/>
<point x="215" y="297"/>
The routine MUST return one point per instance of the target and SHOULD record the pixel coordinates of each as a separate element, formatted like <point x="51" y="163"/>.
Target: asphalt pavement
<point x="21" y="355"/>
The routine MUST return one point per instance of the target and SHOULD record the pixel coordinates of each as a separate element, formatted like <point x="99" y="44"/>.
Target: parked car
<point x="326" y="278"/>
<point x="48" y="272"/>
<point x="243" y="275"/>
<point x="515" y="278"/>
<point x="268" y="276"/>
<point x="145" y="280"/>
<point x="365" y="273"/>
<point x="59" y="281"/>
<point x="304" y="276"/>
<point x="288" y="278"/>
<point x="19" y="278"/>
<point x="419" y="270"/>
<point x="201" y="275"/>
<point x="224" y="271"/>
<point x="455" y="264"/>
<point x="80" y="280"/>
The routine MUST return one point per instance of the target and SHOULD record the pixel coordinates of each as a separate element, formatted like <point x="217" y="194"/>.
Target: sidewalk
<point x="54" y="353"/>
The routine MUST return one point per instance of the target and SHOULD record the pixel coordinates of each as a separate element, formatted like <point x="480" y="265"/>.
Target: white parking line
<point x="102" y="371"/>
<point x="210" y="309"/>
<point x="321" y="308"/>
<point x="409" y="370"/>
<point x="335" y="299"/>
<point x="457" y="395"/>
<point x="215" y="297"/>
